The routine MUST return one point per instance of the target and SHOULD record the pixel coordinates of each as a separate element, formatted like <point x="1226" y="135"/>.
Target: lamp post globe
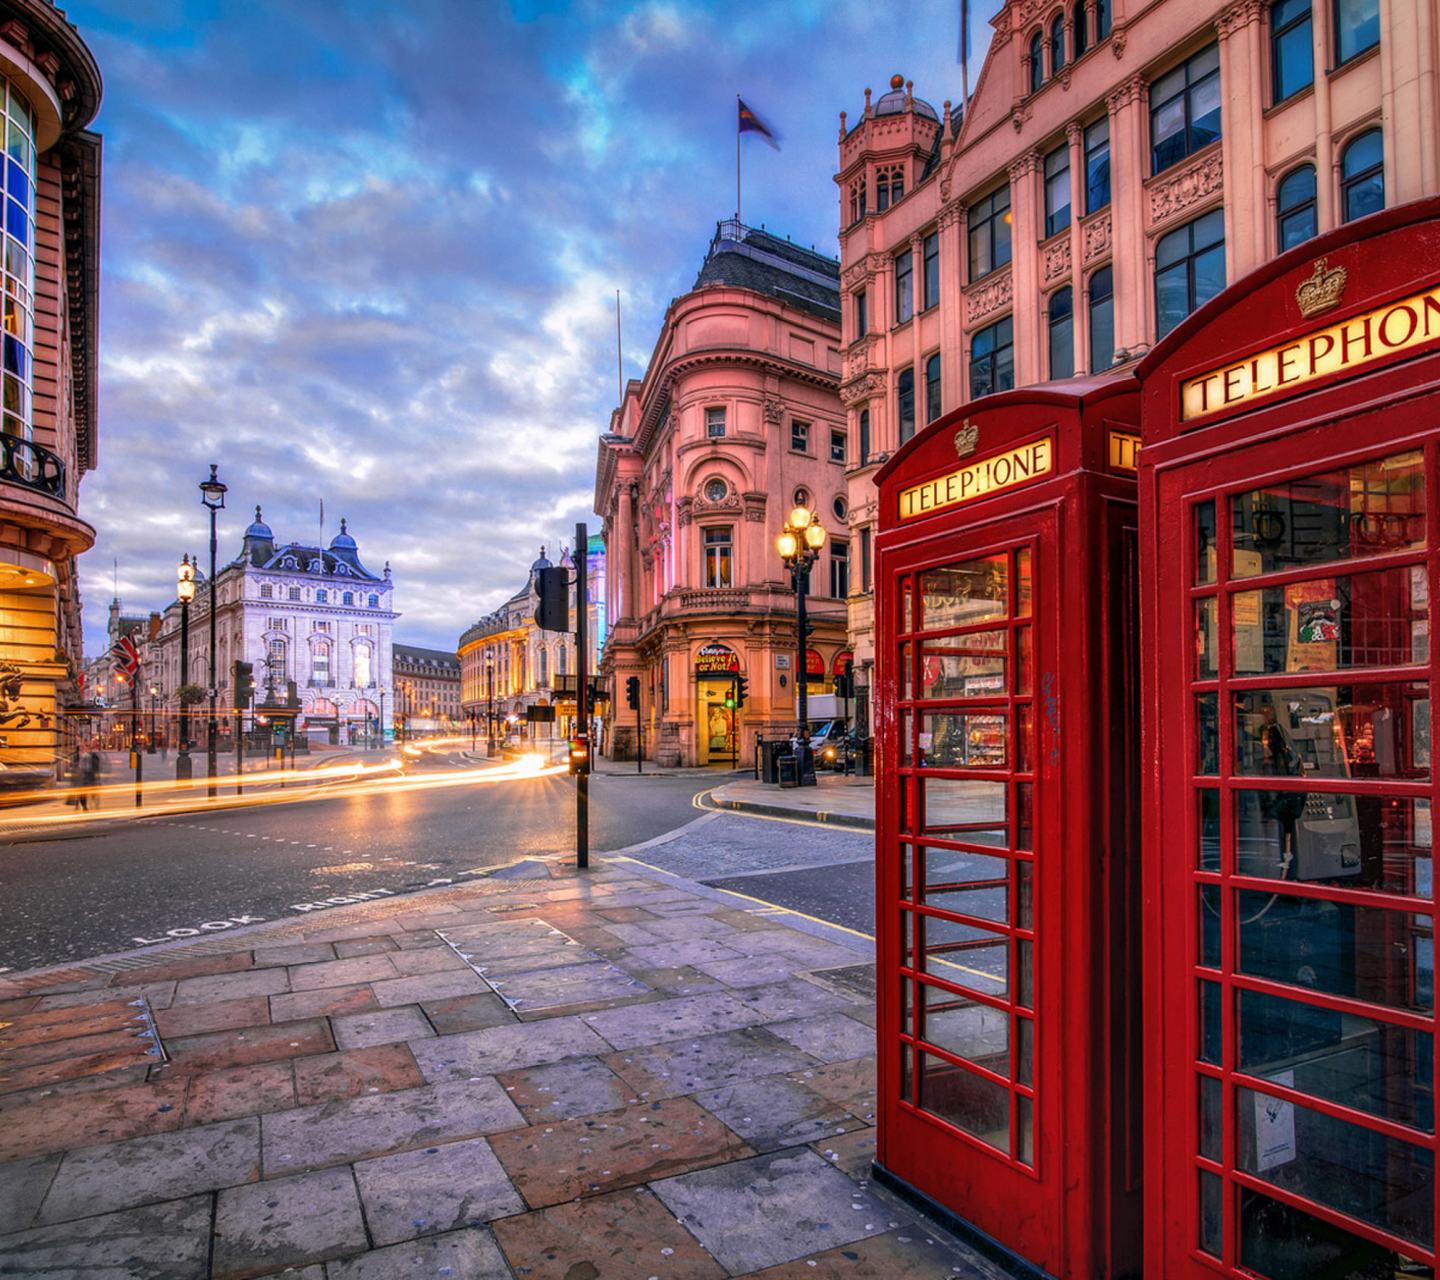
<point x="799" y="544"/>
<point x="212" y="495"/>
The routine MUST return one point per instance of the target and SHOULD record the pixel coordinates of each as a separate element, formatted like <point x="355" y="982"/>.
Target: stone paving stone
<point x="793" y="999"/>
<point x="341" y="973"/>
<point x="772" y="1209"/>
<point x="706" y="1062"/>
<point x="231" y="986"/>
<point x="483" y="1053"/>
<point x="467" y="1013"/>
<point x="240" y="1091"/>
<point x="322" y="1003"/>
<point x="466" y="1255"/>
<point x="672" y="1020"/>
<point x="251" y="1044"/>
<point x="851" y="1084"/>
<point x="85" y="1119"/>
<point x="625" y="915"/>
<point x="87" y="1073"/>
<point x="595" y="1154"/>
<point x="853" y="1152"/>
<point x="751" y="971"/>
<point x="134" y="1039"/>
<point x="18" y="1006"/>
<point x="226" y="1015"/>
<point x="831" y="1037"/>
<point x="120" y="1078"/>
<point x="664" y="955"/>
<point x="426" y="938"/>
<point x="121" y="1175"/>
<point x="381" y="1026"/>
<point x="409" y="964"/>
<point x="903" y="1254"/>
<point x="776" y="1112"/>
<point x="159" y="995"/>
<point x="195" y="966"/>
<point x="349" y="947"/>
<point x="23" y="1184"/>
<point x="429" y="986"/>
<point x="678" y="980"/>
<point x="574" y="984"/>
<point x="294" y="953"/>
<point x="434" y="1190"/>
<point x="168" y="1241"/>
<point x="355" y="1073"/>
<point x="566" y="1090"/>
<point x="286" y="1222"/>
<point x="26" y="1028"/>
<point x="744" y="920"/>
<point x="691" y="926"/>
<point x="626" y="1233"/>
<point x="379" y="1124"/>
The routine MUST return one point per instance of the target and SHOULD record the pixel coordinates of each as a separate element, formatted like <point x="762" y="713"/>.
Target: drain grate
<point x="854" y="980"/>
<point x="38" y="1049"/>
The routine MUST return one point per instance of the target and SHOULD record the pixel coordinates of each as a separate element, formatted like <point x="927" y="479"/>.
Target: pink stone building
<point x="1119" y="164"/>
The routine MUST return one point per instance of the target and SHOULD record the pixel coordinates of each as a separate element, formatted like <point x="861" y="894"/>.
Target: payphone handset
<point x="1289" y="835"/>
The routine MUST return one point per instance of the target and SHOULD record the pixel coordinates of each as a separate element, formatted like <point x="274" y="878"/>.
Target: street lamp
<point x="185" y="589"/>
<point x="381" y="725"/>
<point x="490" y="704"/>
<point x="799" y="543"/>
<point x="154" y="707"/>
<point x="212" y="494"/>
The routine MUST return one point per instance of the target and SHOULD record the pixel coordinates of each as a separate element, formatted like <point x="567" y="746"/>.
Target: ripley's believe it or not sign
<point x="1016" y="466"/>
<point x="716" y="660"/>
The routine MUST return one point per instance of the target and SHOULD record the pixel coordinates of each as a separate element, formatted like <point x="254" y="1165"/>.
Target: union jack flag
<point x="126" y="655"/>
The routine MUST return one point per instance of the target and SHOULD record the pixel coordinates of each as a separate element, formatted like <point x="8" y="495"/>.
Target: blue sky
<point x="367" y="253"/>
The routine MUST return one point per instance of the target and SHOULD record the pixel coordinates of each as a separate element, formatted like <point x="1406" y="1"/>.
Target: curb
<point x="783" y="811"/>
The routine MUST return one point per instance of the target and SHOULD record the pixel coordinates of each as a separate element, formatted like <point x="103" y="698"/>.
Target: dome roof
<point x="259" y="529"/>
<point x="541" y="563"/>
<point x="893" y="103"/>
<point x="342" y="540"/>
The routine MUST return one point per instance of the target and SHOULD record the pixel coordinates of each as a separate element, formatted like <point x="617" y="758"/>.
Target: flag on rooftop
<point x="751" y="123"/>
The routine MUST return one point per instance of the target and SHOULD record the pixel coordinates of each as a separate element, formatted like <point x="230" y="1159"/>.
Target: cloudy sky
<point x="366" y="252"/>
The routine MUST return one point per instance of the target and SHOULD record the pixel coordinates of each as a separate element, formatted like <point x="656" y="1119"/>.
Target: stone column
<point x="1242" y="147"/>
<point x="1025" y="266"/>
<point x="1129" y="166"/>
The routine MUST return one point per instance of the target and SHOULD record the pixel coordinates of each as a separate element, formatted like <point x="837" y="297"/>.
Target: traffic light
<point x="742" y="690"/>
<point x="552" y="610"/>
<point x="244" y="684"/>
<point x="730" y="698"/>
<point x="632" y="693"/>
<point x="579" y="754"/>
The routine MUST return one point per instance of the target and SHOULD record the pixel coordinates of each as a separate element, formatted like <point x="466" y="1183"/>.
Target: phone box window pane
<point x="1024" y="816"/>
<point x="970" y="666"/>
<point x="1284" y="1243"/>
<point x="1024" y="664"/>
<point x="965" y="594"/>
<point x="980" y="1107"/>
<point x="1358" y="1062"/>
<point x="907" y="879"/>
<point x="1210" y="1022"/>
<point x="907" y="731"/>
<point x="1329" y="624"/>
<point x="1207" y="802"/>
<point x="967" y="1029"/>
<point x="1025" y="973"/>
<point x="1022" y="583"/>
<point x="1207" y="734"/>
<point x="907" y="1087"/>
<point x="1025" y="1122"/>
<point x="907" y="600"/>
<point x="907" y="1006"/>
<point x="1024" y="896"/>
<point x="966" y="809"/>
<point x="1210" y="925"/>
<point x="1338" y="731"/>
<point x="964" y="954"/>
<point x="1337" y="948"/>
<point x="970" y="884"/>
<point x="1211" y="1091"/>
<point x="1378" y="1180"/>
<point x="1024" y="1050"/>
<point x="1369" y="509"/>
<point x="1024" y="740"/>
<point x="1207" y="638"/>
<point x="964" y="739"/>
<point x="1205" y="543"/>
<point x="1212" y="1213"/>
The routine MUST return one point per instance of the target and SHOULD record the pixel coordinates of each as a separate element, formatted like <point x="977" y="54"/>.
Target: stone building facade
<point x="427" y="691"/>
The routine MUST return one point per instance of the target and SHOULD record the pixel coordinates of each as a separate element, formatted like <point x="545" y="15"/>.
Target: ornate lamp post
<point x="799" y="543"/>
<point x="185" y="589"/>
<point x="154" y="708"/>
<point x="490" y="705"/>
<point x="212" y="494"/>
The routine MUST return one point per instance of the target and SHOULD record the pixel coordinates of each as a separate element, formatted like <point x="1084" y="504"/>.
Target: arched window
<point x="1102" y="19"/>
<point x="362" y="666"/>
<point x="1037" y="61"/>
<point x="857" y="200"/>
<point x="905" y="403"/>
<point x="562" y="659"/>
<point x="320" y="665"/>
<point x="932" y="388"/>
<point x="543" y="665"/>
<point x="1295" y="207"/>
<point x="348" y="598"/>
<point x="321" y="596"/>
<point x="374" y="602"/>
<point x="1081" y="28"/>
<point x="1102" y="320"/>
<point x="1062" y="334"/>
<point x="1362" y="176"/>
<point x="1057" y="43"/>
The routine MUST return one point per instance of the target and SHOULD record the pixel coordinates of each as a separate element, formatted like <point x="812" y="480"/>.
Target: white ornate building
<point x="298" y="613"/>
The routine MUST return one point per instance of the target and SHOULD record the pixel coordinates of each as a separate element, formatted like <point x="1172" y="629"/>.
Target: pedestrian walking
<point x="89" y="775"/>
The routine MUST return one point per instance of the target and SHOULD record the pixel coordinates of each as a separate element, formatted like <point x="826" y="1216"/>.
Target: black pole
<point x="210" y="763"/>
<point x="802" y="676"/>
<point x="239" y="749"/>
<point x="735" y="721"/>
<point x="134" y="732"/>
<point x="182" y="760"/>
<point x="582" y="712"/>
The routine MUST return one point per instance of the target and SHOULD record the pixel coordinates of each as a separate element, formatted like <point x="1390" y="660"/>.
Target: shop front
<point x="1289" y="533"/>
<point x="1006" y="887"/>
<point x="717" y="705"/>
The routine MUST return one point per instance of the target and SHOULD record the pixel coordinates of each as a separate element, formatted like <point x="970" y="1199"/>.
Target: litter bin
<point x="771" y="753"/>
<point x="789" y="771"/>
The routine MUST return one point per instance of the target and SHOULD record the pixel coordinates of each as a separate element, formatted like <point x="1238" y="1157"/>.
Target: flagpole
<point x="737" y="157"/>
<point x="965" y="56"/>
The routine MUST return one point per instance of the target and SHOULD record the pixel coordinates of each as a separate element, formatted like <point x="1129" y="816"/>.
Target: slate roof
<point x="762" y="262"/>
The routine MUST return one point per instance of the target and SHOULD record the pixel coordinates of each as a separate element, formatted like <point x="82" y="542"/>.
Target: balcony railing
<point x="26" y="463"/>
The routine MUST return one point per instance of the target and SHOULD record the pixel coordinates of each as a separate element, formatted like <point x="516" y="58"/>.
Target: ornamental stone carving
<point x="950" y="215"/>
<point x="1096" y="237"/>
<point x="1024" y="165"/>
<point x="1074" y="133"/>
<point x="1188" y="188"/>
<point x="1057" y="260"/>
<point x="1133" y="92"/>
<point x="989" y="298"/>
<point x="755" y="507"/>
<point x="683" y="514"/>
<point x="774" y="411"/>
<point x="1237" y="16"/>
<point x="1023" y="11"/>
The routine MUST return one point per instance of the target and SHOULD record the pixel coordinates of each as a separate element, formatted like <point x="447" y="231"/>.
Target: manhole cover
<point x="855" y="980"/>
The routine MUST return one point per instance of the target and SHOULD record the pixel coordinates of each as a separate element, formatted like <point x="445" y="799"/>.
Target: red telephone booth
<point x="1006" y="814"/>
<point x="1289" y="537"/>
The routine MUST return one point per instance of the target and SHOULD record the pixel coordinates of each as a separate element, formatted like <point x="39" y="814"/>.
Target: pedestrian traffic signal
<point x="632" y="693"/>
<point x="579" y="754"/>
<point x="244" y="684"/>
<point x="730" y="698"/>
<point x="742" y="690"/>
<point x="552" y="609"/>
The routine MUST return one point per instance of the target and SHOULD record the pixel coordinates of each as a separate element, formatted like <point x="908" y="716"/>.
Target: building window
<point x="364" y="629"/>
<point x="294" y="593"/>
<point x="862" y="316"/>
<point x="717" y="557"/>
<point x="1062" y="334"/>
<point x="542" y="666"/>
<point x="716" y="490"/>
<point x="839" y="569"/>
<point x="1185" y="109"/>
<point x="374" y="602"/>
<point x="1357" y="27"/>
<point x="714" y="423"/>
<point x="1295" y="207"/>
<point x="1292" y="57"/>
<point x="992" y="359"/>
<point x="865" y="558"/>
<point x="932" y="388"/>
<point x="267" y="592"/>
<point x="889" y="187"/>
<point x="1037" y="61"/>
<point x="930" y="255"/>
<point x="1057" y="43"/>
<point x="348" y="598"/>
<point x="321" y="596"/>
<point x="1082" y="35"/>
<point x="864" y="456"/>
<point x="275" y="662"/>
<point x="275" y="624"/>
<point x="1189" y="269"/>
<point x="362" y="666"/>
<point x="1102" y="19"/>
<point x="323" y="627"/>
<point x="1097" y="165"/>
<point x="320" y="664"/>
<point x="857" y="201"/>
<point x="1057" y="190"/>
<point x="990" y="233"/>
<point x="904" y="286"/>
<point x="841" y="508"/>
<point x="905" y="403"/>
<point x="837" y="446"/>
<point x="1362" y="176"/>
<point x="1102" y="320"/>
<point x="799" y="435"/>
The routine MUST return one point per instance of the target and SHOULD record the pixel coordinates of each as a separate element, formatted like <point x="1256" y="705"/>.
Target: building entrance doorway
<point x="717" y="723"/>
